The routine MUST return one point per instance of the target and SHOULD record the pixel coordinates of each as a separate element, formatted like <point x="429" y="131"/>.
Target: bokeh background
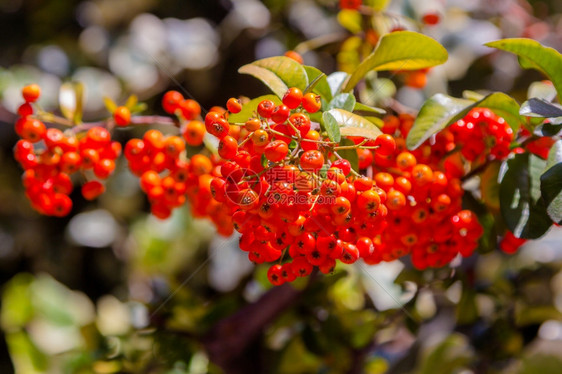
<point x="112" y="289"/>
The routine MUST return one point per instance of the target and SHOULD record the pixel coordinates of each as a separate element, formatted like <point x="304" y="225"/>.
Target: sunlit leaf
<point x="336" y="81"/>
<point x="110" y="105"/>
<point x="318" y="83"/>
<point x="353" y="125"/>
<point x="132" y="101"/>
<point x="535" y="55"/>
<point x="278" y="73"/>
<point x="401" y="50"/>
<point x="343" y="101"/>
<point x="331" y="126"/>
<point x="365" y="110"/>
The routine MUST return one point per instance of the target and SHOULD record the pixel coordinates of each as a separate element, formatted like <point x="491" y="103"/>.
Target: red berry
<point x="92" y="189"/>
<point x="122" y="116"/>
<point x="292" y="98"/>
<point x="31" y="93"/>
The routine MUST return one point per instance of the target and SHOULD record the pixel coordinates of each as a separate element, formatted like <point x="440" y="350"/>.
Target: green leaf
<point x="472" y="95"/>
<point x="554" y="155"/>
<point x="534" y="55"/>
<point x="336" y="80"/>
<point x="343" y="101"/>
<point x="401" y="50"/>
<point x="139" y="108"/>
<point x="350" y="124"/>
<point x="331" y="126"/>
<point x="540" y="108"/>
<point x="522" y="208"/>
<point x="551" y="183"/>
<point x="71" y="101"/>
<point x="437" y="112"/>
<point x="249" y="109"/>
<point x="489" y="186"/>
<point x="16" y="302"/>
<point x="378" y="90"/>
<point x="365" y="110"/>
<point x="278" y="73"/>
<point x="318" y="83"/>
<point x="349" y="154"/>
<point x="442" y="110"/>
<point x="551" y="188"/>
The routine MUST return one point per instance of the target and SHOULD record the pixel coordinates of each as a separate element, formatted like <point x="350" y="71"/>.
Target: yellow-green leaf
<point x="353" y="125"/>
<point x="278" y="73"/>
<point x="534" y="55"/>
<point x="401" y="50"/>
<point x="109" y="104"/>
<point x="132" y="101"/>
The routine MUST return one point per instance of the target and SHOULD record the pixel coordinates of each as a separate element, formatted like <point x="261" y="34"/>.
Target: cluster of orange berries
<point x="278" y="182"/>
<point x="422" y="191"/>
<point x="293" y="199"/>
<point x="49" y="158"/>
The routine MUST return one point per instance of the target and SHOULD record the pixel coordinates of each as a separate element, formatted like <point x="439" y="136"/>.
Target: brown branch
<point x="231" y="338"/>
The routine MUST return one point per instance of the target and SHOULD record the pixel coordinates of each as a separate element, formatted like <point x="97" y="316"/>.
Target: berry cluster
<point x="49" y="158"/>
<point x="279" y="182"/>
<point x="421" y="192"/>
<point x="482" y="132"/>
<point x="293" y="199"/>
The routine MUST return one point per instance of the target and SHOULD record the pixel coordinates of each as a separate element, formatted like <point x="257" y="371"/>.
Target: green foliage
<point x="402" y="50"/>
<point x="522" y="208"/>
<point x="536" y="56"/>
<point x="349" y="154"/>
<point x="278" y="73"/>
<point x="551" y="183"/>
<point x="318" y="83"/>
<point x="339" y="122"/>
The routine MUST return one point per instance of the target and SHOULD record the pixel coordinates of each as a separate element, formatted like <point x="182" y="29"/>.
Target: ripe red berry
<point x="265" y="108"/>
<point x="276" y="151"/>
<point x="280" y="114"/>
<point x="92" y="189"/>
<point x="190" y="109"/>
<point x="234" y="105"/>
<point x="122" y="116"/>
<point x="292" y="98"/>
<point x="171" y="101"/>
<point x="31" y="93"/>
<point x="311" y="102"/>
<point x="386" y="144"/>
<point x="312" y="160"/>
<point x="194" y="132"/>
